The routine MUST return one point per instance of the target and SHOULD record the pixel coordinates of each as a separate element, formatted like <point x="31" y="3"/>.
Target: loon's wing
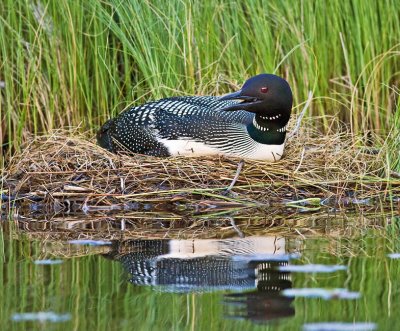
<point x="205" y="123"/>
<point x="141" y="129"/>
<point x="204" y="106"/>
<point x="116" y="137"/>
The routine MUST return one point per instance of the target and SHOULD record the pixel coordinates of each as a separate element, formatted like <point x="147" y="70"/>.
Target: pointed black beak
<point x="244" y="104"/>
<point x="231" y="96"/>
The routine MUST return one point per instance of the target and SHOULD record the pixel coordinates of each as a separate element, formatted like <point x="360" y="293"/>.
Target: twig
<point x="301" y="160"/>
<point x="234" y="180"/>
<point x="240" y="233"/>
<point x="300" y="118"/>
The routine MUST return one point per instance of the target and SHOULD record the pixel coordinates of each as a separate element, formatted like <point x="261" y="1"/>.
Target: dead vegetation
<point x="69" y="172"/>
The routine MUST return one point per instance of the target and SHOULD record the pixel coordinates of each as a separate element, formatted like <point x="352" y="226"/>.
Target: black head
<point x="265" y="95"/>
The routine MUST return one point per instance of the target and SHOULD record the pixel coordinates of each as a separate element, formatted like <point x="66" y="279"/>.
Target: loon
<point x="249" y="123"/>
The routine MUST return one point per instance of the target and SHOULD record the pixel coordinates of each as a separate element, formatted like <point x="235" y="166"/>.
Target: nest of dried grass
<point x="70" y="172"/>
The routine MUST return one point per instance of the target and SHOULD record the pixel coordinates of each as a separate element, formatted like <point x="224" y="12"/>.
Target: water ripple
<point x="339" y="326"/>
<point x="326" y="294"/>
<point x="266" y="257"/>
<point x="394" y="255"/>
<point x="47" y="262"/>
<point x="89" y="242"/>
<point x="42" y="316"/>
<point x="311" y="268"/>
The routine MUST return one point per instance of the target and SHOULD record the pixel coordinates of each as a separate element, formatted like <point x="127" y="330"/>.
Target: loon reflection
<point x="247" y="267"/>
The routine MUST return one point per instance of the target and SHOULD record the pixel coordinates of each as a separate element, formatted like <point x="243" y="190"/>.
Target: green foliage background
<point x="68" y="63"/>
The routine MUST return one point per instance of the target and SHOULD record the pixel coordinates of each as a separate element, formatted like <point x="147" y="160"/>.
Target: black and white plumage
<point x="205" y="264"/>
<point x="249" y="123"/>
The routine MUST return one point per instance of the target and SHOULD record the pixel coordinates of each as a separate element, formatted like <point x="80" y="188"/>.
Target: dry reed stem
<point x="67" y="167"/>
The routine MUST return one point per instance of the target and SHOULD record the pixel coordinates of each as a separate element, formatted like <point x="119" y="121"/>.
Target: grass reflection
<point x="96" y="292"/>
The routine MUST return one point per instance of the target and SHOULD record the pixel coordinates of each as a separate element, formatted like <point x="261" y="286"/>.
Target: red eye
<point x="264" y="89"/>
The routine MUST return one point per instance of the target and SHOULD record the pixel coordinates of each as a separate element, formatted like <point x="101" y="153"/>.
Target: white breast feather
<point x="259" y="151"/>
<point x="265" y="152"/>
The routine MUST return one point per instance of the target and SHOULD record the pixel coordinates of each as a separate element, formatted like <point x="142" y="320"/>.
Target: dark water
<point x="287" y="278"/>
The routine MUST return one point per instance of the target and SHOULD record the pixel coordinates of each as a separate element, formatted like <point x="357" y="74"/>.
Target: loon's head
<point x="265" y="94"/>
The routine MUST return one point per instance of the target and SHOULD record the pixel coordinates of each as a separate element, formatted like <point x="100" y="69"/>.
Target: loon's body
<point x="196" y="126"/>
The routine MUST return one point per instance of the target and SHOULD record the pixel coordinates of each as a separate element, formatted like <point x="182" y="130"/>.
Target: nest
<point x="69" y="172"/>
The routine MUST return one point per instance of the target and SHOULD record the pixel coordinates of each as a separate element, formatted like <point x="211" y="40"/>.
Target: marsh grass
<point x="68" y="64"/>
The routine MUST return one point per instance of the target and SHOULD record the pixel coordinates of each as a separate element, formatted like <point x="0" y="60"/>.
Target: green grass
<point x="69" y="63"/>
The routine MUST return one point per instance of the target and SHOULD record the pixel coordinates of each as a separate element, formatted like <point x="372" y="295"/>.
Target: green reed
<point x="69" y="63"/>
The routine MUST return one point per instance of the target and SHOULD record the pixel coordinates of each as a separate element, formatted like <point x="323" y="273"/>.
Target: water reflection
<point x="200" y="284"/>
<point x="265" y="302"/>
<point x="248" y="267"/>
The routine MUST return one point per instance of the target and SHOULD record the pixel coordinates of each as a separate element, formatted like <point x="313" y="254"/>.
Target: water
<point x="310" y="272"/>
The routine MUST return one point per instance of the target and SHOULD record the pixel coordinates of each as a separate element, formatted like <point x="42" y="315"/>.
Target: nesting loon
<point x="250" y="123"/>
